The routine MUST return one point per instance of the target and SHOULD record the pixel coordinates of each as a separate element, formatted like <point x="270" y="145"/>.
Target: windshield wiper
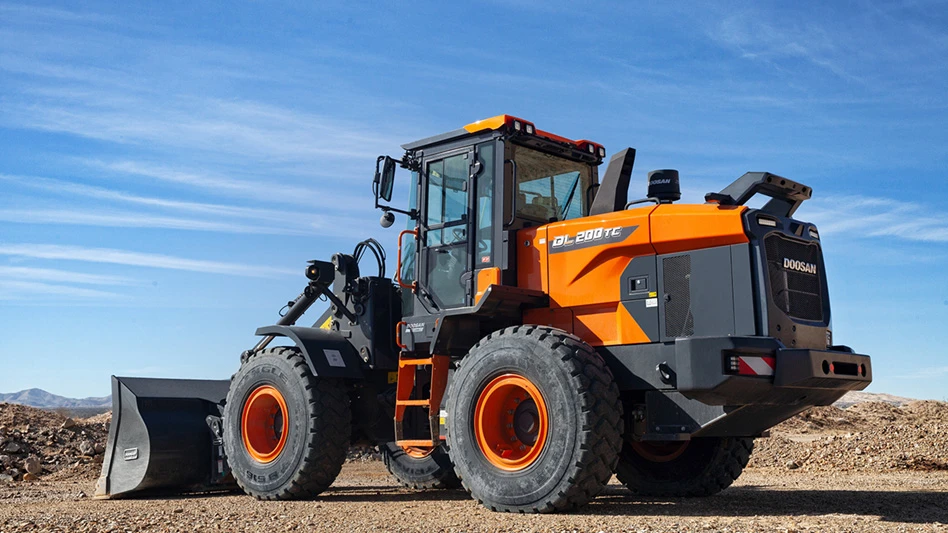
<point x="569" y="199"/>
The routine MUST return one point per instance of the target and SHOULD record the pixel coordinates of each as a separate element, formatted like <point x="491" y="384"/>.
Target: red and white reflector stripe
<point x="756" y="366"/>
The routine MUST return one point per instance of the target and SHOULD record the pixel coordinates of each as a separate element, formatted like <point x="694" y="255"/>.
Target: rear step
<point x="165" y="436"/>
<point x="407" y="368"/>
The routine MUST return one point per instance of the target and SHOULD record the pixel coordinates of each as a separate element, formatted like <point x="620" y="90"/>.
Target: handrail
<point x="513" y="195"/>
<point x="398" y="334"/>
<point x="398" y="264"/>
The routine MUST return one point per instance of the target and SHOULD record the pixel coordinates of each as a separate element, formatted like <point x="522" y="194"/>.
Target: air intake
<point x="663" y="185"/>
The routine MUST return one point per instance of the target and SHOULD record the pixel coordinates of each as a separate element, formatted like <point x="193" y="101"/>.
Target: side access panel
<point x="706" y="293"/>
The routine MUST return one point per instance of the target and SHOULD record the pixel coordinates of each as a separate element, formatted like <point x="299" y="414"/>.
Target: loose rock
<point x="87" y="448"/>
<point x="32" y="465"/>
<point x="13" y="447"/>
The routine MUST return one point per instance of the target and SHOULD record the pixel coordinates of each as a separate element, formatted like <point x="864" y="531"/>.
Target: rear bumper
<point x="799" y="376"/>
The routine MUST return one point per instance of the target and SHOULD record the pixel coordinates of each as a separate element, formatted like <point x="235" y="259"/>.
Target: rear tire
<point x="534" y="421"/>
<point x="704" y="467"/>
<point x="417" y="471"/>
<point x="286" y="432"/>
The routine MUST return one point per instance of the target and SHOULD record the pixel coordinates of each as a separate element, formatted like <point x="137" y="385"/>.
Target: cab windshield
<point x="550" y="187"/>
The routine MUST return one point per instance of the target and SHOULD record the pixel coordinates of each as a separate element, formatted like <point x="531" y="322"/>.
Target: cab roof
<point x="511" y="125"/>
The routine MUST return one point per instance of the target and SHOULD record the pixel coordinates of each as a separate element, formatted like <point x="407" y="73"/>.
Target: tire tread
<point x="601" y="424"/>
<point x="329" y="430"/>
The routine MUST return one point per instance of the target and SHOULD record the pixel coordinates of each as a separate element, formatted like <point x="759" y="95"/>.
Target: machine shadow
<point x="388" y="493"/>
<point x="746" y="501"/>
<point x="891" y="506"/>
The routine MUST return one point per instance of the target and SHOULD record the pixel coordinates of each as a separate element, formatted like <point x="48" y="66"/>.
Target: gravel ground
<point x="873" y="466"/>
<point x="364" y="498"/>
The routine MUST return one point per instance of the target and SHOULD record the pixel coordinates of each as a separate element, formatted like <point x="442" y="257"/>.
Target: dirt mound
<point x="828" y="418"/>
<point x="871" y="436"/>
<point x="40" y="444"/>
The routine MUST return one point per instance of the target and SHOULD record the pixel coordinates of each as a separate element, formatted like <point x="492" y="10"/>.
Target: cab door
<point x="445" y="273"/>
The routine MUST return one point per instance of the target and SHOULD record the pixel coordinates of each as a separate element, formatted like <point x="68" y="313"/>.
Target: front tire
<point x="699" y="467"/>
<point x="286" y="432"/>
<point x="534" y="421"/>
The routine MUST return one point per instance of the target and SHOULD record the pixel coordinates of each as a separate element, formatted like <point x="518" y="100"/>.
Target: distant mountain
<point x="854" y="397"/>
<point x="46" y="400"/>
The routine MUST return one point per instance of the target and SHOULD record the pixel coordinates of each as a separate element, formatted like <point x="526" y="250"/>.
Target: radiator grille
<point x="679" y="321"/>
<point x="799" y="294"/>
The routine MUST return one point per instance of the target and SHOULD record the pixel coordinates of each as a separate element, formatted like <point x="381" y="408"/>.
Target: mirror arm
<point x="412" y="214"/>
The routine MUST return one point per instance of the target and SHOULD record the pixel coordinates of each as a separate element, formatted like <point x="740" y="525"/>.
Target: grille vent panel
<point x="679" y="320"/>
<point x="799" y="294"/>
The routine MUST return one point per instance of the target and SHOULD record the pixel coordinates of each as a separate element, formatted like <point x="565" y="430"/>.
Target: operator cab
<point x="465" y="216"/>
<point x="471" y="190"/>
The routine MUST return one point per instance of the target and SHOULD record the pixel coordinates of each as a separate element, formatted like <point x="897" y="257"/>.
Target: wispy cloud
<point x="241" y="129"/>
<point x="11" y="290"/>
<point x="928" y="373"/>
<point x="136" y="220"/>
<point x="56" y="186"/>
<point x="757" y="39"/>
<point x="125" y="257"/>
<point x="878" y="217"/>
<point x="47" y="13"/>
<point x="51" y="274"/>
<point x="214" y="216"/>
<point x="270" y="191"/>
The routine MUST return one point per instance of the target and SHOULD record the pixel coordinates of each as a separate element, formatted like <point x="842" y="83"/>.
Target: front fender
<point x="328" y="353"/>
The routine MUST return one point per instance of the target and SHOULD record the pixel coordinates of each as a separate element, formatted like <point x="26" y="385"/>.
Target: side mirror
<point x="385" y="178"/>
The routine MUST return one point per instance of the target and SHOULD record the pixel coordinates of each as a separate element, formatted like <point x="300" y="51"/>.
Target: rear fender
<point x="328" y="353"/>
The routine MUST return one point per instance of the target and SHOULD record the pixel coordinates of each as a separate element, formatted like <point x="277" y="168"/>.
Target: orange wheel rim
<point x="264" y="424"/>
<point x="511" y="422"/>
<point x="660" y="452"/>
<point x="418" y="452"/>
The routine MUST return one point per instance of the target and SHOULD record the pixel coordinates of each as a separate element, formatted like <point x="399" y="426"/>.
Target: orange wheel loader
<point x="541" y="333"/>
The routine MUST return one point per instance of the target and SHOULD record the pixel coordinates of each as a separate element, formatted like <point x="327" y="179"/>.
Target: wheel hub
<point x="511" y="422"/>
<point x="526" y="422"/>
<point x="264" y="425"/>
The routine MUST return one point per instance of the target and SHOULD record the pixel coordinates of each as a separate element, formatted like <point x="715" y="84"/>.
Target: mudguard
<point x="328" y="353"/>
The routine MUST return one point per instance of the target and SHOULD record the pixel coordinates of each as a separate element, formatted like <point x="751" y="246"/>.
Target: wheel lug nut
<point x="522" y="447"/>
<point x="512" y="439"/>
<point x="516" y="400"/>
<point x="510" y="411"/>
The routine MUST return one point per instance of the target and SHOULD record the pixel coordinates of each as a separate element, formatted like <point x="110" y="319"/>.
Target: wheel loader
<point x="540" y="333"/>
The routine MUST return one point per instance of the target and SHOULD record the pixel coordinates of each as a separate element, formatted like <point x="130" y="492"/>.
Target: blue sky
<point x="167" y="169"/>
